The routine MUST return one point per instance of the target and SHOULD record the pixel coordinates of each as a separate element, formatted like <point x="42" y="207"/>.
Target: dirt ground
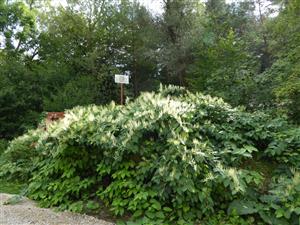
<point x="26" y="212"/>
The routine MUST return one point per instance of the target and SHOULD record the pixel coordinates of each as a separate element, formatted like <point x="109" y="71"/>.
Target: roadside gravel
<point x="27" y="213"/>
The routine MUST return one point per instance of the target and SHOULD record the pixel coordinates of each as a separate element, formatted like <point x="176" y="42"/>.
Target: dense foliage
<point x="55" y="56"/>
<point x="176" y="156"/>
<point x="170" y="157"/>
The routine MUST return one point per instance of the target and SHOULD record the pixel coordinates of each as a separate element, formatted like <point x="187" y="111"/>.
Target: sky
<point x="155" y="6"/>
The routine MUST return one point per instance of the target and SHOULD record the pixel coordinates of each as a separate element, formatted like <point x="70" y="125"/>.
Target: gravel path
<point x="27" y="213"/>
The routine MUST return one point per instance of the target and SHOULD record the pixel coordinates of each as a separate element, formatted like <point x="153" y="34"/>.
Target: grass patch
<point x="11" y="187"/>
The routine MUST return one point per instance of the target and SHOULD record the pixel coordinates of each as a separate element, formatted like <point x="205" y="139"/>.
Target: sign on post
<point x="122" y="79"/>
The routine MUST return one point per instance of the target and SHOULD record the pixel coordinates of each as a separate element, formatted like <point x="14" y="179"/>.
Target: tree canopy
<point x="53" y="58"/>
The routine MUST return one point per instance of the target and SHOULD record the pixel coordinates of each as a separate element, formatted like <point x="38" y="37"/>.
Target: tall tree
<point x="142" y="41"/>
<point x="224" y="60"/>
<point x="20" y="93"/>
<point x="178" y="25"/>
<point x="283" y="78"/>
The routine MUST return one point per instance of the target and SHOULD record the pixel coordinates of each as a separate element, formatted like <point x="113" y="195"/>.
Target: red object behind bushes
<point x="54" y="116"/>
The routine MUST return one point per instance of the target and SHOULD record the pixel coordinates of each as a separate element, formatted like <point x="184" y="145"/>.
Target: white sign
<point x="121" y="79"/>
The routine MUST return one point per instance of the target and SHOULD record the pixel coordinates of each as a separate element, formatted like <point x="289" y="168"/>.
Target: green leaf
<point x="92" y="205"/>
<point x="155" y="204"/>
<point x="243" y="207"/>
<point x="160" y="215"/>
<point x="151" y="215"/>
<point x="137" y="214"/>
<point x="167" y="209"/>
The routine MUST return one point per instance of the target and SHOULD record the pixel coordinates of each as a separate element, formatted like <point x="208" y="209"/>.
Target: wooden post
<point x="122" y="94"/>
<point x="121" y="79"/>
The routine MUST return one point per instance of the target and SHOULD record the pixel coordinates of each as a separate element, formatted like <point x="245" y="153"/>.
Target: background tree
<point x="56" y="57"/>
<point x="179" y="24"/>
<point x="283" y="77"/>
<point x="225" y="63"/>
<point x="20" y="99"/>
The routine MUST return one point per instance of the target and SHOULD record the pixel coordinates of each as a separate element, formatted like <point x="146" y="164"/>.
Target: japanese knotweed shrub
<point x="173" y="156"/>
<point x="279" y="206"/>
<point x="285" y="147"/>
<point x="21" y="156"/>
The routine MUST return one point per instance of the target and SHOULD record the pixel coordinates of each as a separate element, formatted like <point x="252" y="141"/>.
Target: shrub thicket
<point x="3" y="145"/>
<point x="21" y="156"/>
<point x="171" y="157"/>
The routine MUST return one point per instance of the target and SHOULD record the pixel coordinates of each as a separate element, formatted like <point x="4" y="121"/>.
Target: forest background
<point x="54" y="57"/>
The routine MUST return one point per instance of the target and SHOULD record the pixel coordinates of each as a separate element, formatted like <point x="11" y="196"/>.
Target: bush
<point x="80" y="91"/>
<point x="3" y="145"/>
<point x="20" y="157"/>
<point x="279" y="206"/>
<point x="285" y="147"/>
<point x="171" y="157"/>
